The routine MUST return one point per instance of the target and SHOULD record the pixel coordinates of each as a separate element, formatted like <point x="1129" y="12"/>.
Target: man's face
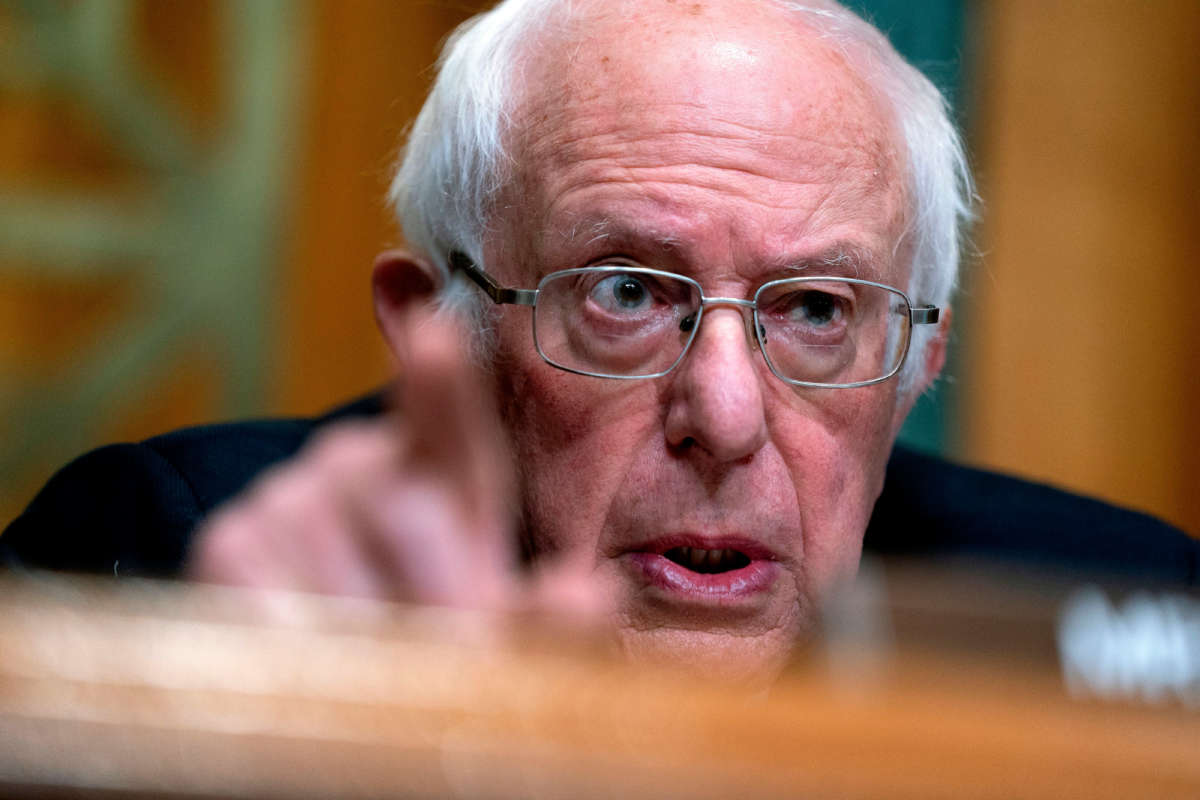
<point x="728" y="145"/>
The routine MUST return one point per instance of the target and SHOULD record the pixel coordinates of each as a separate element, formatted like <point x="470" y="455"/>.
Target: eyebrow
<point x="842" y="258"/>
<point x="595" y="229"/>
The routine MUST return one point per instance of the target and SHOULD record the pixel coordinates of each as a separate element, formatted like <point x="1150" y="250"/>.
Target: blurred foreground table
<point x="929" y="683"/>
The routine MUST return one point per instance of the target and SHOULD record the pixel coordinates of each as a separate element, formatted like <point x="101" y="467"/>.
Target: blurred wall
<point x="1081" y="350"/>
<point x="191" y="197"/>
<point x="370" y="69"/>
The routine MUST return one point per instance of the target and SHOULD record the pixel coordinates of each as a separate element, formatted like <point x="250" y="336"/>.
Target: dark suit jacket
<point x="131" y="508"/>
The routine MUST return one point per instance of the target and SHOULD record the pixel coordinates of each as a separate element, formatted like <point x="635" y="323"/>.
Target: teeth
<point x="708" y="561"/>
<point x="698" y="558"/>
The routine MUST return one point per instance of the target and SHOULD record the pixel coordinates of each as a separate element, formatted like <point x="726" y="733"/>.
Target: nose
<point x="716" y="400"/>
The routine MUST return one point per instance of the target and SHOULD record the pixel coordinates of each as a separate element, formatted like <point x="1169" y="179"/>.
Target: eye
<point x="816" y="308"/>
<point x="622" y="292"/>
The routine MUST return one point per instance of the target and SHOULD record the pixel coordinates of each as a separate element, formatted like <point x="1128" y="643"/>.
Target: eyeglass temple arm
<point x="924" y="315"/>
<point x="500" y="295"/>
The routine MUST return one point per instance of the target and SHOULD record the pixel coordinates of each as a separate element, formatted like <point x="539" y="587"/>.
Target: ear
<point x="401" y="283"/>
<point x="935" y="359"/>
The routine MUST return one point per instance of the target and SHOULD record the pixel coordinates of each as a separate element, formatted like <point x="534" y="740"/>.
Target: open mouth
<point x="707" y="562"/>
<point x="731" y="574"/>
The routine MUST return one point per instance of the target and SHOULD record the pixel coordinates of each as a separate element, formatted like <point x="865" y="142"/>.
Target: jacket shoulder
<point x="932" y="507"/>
<point x="131" y="507"/>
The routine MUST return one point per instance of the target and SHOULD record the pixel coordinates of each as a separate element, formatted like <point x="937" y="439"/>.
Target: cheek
<point x="574" y="439"/>
<point x="836" y="448"/>
<point x="844" y="434"/>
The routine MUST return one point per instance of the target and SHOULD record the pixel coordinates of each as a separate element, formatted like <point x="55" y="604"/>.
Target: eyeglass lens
<point x="628" y="322"/>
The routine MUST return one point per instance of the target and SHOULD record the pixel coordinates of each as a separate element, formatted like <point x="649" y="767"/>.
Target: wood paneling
<point x="1081" y="335"/>
<point x="363" y="72"/>
<point x="370" y="69"/>
<point x="1084" y="339"/>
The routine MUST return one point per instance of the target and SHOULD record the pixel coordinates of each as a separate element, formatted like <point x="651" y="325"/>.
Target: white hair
<point x="455" y="162"/>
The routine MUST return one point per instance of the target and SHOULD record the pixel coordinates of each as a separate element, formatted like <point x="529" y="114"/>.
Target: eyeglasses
<point x="627" y="322"/>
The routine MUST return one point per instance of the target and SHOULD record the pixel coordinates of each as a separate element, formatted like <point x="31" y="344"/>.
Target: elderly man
<point x="704" y="252"/>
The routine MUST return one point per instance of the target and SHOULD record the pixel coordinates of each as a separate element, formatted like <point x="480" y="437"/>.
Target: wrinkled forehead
<point x="747" y="63"/>
<point x="739" y="95"/>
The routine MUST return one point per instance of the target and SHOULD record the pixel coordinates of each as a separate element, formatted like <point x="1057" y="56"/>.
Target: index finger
<point x="447" y="420"/>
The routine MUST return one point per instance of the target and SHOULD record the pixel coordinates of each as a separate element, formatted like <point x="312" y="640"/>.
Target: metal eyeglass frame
<point x="501" y="295"/>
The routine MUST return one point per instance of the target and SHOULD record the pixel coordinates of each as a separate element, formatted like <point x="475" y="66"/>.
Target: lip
<point x="649" y="565"/>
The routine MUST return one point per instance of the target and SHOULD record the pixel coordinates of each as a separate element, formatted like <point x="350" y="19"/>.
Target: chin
<point x="751" y="662"/>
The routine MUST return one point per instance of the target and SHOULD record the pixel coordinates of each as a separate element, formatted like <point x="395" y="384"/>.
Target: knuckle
<point x="289" y="492"/>
<point x="349" y="448"/>
<point x="342" y="437"/>
<point x="225" y="539"/>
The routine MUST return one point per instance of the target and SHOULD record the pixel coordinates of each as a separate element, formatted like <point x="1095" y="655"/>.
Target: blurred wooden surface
<point x="1081" y="340"/>
<point x="151" y="690"/>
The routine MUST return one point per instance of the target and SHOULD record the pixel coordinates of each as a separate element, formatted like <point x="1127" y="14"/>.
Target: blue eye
<point x="816" y="308"/>
<point x="622" y="292"/>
